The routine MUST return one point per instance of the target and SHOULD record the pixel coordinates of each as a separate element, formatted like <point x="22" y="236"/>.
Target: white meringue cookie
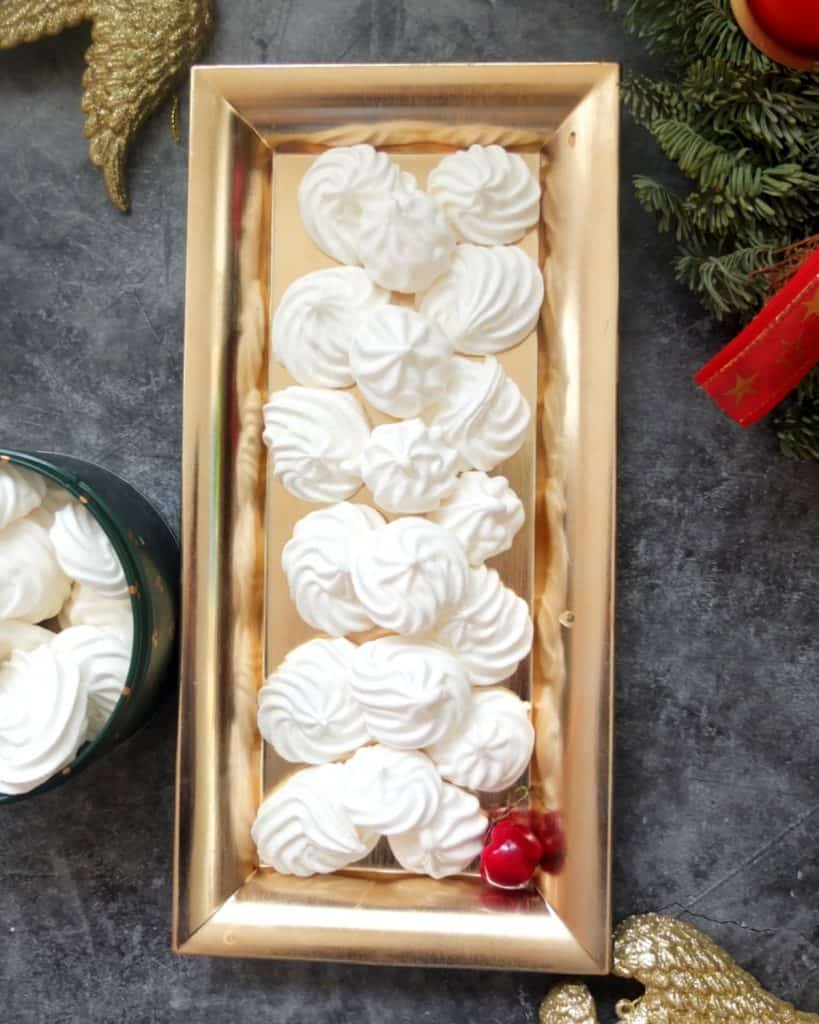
<point x="491" y="632"/>
<point x="483" y="512"/>
<point x="43" y="718"/>
<point x="306" y="707"/>
<point x="401" y="361"/>
<point x="21" y="491"/>
<point x="449" y="843"/>
<point x="488" y="301"/>
<point x="483" y="414"/>
<point x="316" y="320"/>
<point x="33" y="587"/>
<point x="405" y="241"/>
<point x="103" y="662"/>
<point x="315" y="437"/>
<point x="85" y="553"/>
<point x="87" y="607"/>
<point x="303" y="828"/>
<point x="409" y="575"/>
<point x="317" y="561"/>
<point x="390" y="790"/>
<point x="55" y="498"/>
<point x="493" y="746"/>
<point x="488" y="194"/>
<point x="410" y="694"/>
<point x="21" y="636"/>
<point x="339" y="186"/>
<point x="406" y="468"/>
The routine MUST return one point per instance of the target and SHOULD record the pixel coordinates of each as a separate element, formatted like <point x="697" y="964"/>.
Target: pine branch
<point x="725" y="283"/>
<point x="712" y="29"/>
<point x="650" y="101"/>
<point x="686" y="30"/>
<point x="705" y="161"/>
<point x="796" y="420"/>
<point x="775" y="195"/>
<point x="668" y="207"/>
<point x="772" y="110"/>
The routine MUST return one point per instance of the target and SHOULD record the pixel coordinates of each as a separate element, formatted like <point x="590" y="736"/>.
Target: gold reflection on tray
<point x="254" y="133"/>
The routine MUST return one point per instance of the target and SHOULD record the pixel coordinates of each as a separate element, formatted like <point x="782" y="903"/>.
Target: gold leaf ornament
<point x="687" y="978"/>
<point x="140" y="51"/>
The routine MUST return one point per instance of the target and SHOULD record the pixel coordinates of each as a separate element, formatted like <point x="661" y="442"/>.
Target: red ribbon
<point x="755" y="371"/>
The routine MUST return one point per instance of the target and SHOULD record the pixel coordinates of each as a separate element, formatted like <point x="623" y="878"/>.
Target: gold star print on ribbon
<point x="687" y="978"/>
<point x="793" y="349"/>
<point x="771" y="354"/>
<point x="140" y="52"/>
<point x="811" y="307"/>
<point x="742" y="388"/>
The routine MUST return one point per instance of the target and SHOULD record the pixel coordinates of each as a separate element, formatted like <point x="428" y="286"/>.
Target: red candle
<point x="793" y="24"/>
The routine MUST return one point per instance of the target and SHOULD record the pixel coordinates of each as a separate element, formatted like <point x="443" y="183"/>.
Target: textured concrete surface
<point x="717" y="812"/>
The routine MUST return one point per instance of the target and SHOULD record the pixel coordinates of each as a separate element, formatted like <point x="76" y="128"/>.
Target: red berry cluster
<point x="519" y="843"/>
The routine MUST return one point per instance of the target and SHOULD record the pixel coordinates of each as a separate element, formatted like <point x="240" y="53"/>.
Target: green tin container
<point x="149" y="554"/>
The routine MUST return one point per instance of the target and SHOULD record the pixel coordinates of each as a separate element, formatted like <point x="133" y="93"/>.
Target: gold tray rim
<point x="214" y="913"/>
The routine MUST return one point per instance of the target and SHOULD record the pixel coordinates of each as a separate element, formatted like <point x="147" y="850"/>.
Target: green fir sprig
<point x="745" y="131"/>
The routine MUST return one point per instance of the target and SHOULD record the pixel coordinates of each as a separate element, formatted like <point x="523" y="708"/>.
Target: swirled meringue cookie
<point x="315" y="437"/>
<point x="389" y="790"/>
<point x="489" y="299"/>
<point x="491" y="631"/>
<point x="55" y="498"/>
<point x="409" y="575"/>
<point x="306" y="708"/>
<point x="21" y="636"/>
<point x="21" y="491"/>
<point x="303" y="828"/>
<point x="317" y="561"/>
<point x="493" y="746"/>
<point x="488" y="194"/>
<point x="405" y="241"/>
<point x="483" y="414"/>
<point x="33" y="587"/>
<point x="43" y="718"/>
<point x="449" y="843"/>
<point x="410" y="694"/>
<point x="483" y="512"/>
<point x="401" y="361"/>
<point x="406" y="468"/>
<point x="85" y="553"/>
<point x="87" y="607"/>
<point x="337" y="189"/>
<point x="316" y="320"/>
<point x="103" y="662"/>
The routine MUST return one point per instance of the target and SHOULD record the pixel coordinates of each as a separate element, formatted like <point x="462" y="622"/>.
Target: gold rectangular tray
<point x="253" y="132"/>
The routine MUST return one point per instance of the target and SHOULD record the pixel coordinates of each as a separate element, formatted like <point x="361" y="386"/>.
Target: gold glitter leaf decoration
<point x="688" y="979"/>
<point x="140" y="51"/>
<point x="568" y="1004"/>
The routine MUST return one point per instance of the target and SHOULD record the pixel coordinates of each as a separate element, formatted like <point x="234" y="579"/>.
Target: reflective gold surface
<point x="251" y="131"/>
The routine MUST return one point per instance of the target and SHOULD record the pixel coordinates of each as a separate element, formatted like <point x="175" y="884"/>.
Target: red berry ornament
<point x="553" y="840"/>
<point x="510" y="856"/>
<point x="793" y="24"/>
<point x="547" y="827"/>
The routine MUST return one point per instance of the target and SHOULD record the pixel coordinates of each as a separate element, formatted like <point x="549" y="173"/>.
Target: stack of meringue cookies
<point x="403" y="730"/>
<point x="66" y="629"/>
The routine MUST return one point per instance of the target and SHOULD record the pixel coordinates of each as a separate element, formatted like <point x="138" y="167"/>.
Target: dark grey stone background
<point x="717" y="803"/>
